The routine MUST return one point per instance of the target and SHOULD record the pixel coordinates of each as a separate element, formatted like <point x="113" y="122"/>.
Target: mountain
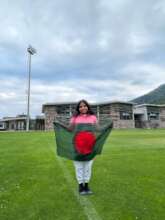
<point x="157" y="96"/>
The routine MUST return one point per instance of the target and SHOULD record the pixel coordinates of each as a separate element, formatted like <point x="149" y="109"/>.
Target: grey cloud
<point x="101" y="40"/>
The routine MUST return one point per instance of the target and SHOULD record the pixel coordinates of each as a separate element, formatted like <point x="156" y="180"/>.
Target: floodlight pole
<point x="30" y="51"/>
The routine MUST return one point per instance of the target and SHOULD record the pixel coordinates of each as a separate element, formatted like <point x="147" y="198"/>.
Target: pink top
<point x="83" y="119"/>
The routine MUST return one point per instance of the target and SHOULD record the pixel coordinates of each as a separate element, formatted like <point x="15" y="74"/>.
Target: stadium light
<point x="31" y="51"/>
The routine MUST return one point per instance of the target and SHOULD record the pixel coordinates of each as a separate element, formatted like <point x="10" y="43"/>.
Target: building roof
<point x="147" y="104"/>
<point x="12" y="119"/>
<point x="19" y="118"/>
<point x="114" y="102"/>
<point x="92" y="103"/>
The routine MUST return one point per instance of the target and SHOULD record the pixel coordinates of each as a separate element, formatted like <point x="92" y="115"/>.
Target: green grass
<point x="128" y="178"/>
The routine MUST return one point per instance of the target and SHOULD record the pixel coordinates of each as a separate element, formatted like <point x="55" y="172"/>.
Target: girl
<point x="83" y="169"/>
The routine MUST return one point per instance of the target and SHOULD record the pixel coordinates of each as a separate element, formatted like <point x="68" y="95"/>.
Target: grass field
<point x="128" y="178"/>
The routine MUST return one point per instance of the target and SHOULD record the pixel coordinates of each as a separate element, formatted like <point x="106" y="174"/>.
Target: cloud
<point x="100" y="50"/>
<point x="146" y="74"/>
<point x="14" y="99"/>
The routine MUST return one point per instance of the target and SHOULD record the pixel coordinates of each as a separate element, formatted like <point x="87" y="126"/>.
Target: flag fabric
<point x="82" y="143"/>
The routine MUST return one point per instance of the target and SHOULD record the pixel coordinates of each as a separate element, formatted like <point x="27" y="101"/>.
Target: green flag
<point x="83" y="143"/>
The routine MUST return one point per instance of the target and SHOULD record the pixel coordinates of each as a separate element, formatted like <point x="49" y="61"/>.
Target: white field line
<point x="86" y="204"/>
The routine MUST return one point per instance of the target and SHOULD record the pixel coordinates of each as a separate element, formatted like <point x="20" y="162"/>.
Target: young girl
<point x="83" y="169"/>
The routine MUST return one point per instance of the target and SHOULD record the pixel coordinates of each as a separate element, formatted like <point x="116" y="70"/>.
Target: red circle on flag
<point x="84" y="142"/>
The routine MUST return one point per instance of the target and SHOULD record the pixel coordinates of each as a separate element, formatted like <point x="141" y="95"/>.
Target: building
<point x="120" y="112"/>
<point x="149" y="116"/>
<point x="123" y="114"/>
<point x="19" y="123"/>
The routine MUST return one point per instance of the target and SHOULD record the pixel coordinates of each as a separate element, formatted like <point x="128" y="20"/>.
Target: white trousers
<point x="83" y="170"/>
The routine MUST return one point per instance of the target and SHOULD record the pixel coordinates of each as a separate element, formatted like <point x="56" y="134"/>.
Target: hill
<point x="156" y="96"/>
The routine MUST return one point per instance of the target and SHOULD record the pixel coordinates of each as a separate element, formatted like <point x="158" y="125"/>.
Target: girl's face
<point x="83" y="108"/>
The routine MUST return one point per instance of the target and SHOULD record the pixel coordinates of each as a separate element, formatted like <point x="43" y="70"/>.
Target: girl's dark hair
<point x="77" y="112"/>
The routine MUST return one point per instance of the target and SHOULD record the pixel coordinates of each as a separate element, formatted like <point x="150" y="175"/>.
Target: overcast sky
<point x="98" y="50"/>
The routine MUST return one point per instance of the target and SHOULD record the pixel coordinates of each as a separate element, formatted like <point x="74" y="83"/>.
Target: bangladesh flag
<point x="83" y="143"/>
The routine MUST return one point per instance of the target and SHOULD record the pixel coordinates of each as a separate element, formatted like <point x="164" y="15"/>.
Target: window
<point x="125" y="115"/>
<point x="1" y="126"/>
<point x="153" y="115"/>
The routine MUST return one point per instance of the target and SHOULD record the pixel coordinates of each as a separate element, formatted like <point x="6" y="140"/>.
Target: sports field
<point x="128" y="178"/>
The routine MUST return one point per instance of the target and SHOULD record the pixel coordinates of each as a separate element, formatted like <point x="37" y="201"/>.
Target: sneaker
<point x="87" y="189"/>
<point x="82" y="193"/>
<point x="81" y="189"/>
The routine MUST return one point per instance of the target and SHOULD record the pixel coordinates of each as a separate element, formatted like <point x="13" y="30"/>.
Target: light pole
<point x="30" y="51"/>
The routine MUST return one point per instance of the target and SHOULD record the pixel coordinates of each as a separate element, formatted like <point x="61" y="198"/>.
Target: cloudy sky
<point x="99" y="50"/>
